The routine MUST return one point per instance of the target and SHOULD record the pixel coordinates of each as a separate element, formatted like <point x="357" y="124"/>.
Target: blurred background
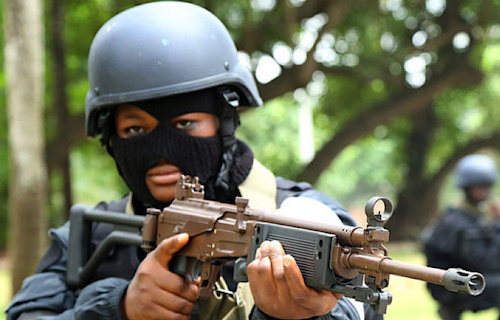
<point x="362" y="98"/>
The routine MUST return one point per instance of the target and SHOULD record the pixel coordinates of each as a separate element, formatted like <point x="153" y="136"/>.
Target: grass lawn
<point x="410" y="299"/>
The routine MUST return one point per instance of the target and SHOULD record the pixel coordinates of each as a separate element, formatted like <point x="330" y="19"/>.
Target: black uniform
<point x="463" y="238"/>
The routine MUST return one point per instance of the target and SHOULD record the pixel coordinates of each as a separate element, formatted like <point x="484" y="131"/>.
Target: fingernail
<point x="275" y="244"/>
<point x="286" y="262"/>
<point x="265" y="245"/>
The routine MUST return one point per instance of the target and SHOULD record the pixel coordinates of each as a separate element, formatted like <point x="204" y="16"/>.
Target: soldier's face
<point x="162" y="177"/>
<point x="479" y="193"/>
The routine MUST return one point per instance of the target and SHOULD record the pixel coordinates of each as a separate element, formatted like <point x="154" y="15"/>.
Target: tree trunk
<point x="417" y="201"/>
<point x="58" y="52"/>
<point x="24" y="58"/>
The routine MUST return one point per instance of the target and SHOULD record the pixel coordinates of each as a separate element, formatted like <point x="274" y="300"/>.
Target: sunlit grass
<point x="5" y="291"/>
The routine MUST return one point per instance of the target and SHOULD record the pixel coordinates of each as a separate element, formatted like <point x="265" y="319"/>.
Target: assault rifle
<point x="344" y="259"/>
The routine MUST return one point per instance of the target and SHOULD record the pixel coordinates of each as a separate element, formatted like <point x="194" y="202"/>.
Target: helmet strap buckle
<point x="229" y="122"/>
<point x="232" y="98"/>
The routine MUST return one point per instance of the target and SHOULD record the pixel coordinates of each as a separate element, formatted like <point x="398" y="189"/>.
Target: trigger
<point x="187" y="267"/>
<point x="193" y="269"/>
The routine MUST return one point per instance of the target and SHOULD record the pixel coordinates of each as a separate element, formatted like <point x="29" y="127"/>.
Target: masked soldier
<point x="468" y="237"/>
<point x="165" y="83"/>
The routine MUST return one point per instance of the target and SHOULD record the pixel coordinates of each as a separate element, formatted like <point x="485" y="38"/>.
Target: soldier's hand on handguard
<point x="275" y="279"/>
<point x="157" y="293"/>
<point x="278" y="287"/>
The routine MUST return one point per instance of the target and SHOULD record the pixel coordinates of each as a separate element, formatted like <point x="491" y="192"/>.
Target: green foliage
<point x="361" y="171"/>
<point x="465" y="115"/>
<point x="95" y="175"/>
<point x="491" y="57"/>
<point x="272" y="131"/>
<point x="346" y="97"/>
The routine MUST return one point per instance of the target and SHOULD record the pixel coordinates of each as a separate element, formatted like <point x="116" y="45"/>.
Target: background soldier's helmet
<point x="160" y="49"/>
<point x="476" y="170"/>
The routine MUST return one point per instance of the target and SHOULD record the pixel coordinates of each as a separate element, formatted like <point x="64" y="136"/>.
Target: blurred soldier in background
<point x="468" y="237"/>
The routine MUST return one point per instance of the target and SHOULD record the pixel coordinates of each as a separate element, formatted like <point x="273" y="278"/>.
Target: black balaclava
<point x="195" y="156"/>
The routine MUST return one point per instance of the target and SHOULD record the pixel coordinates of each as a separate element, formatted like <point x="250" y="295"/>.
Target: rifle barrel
<point x="453" y="279"/>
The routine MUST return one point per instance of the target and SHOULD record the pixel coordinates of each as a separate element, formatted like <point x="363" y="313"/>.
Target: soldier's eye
<point x="134" y="131"/>
<point x="185" y="125"/>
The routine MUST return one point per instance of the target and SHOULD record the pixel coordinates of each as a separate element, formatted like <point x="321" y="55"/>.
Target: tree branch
<point x="408" y="102"/>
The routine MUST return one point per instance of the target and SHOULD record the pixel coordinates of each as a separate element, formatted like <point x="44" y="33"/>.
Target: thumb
<point x="169" y="247"/>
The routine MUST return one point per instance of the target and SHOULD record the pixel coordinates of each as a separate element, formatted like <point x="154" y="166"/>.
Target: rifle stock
<point x="344" y="259"/>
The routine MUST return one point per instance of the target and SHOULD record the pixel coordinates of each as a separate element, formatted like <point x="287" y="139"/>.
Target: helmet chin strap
<point x="230" y="120"/>
<point x="106" y="125"/>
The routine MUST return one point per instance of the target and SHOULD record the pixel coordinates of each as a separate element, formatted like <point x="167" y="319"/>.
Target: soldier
<point x="468" y="237"/>
<point x="165" y="83"/>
